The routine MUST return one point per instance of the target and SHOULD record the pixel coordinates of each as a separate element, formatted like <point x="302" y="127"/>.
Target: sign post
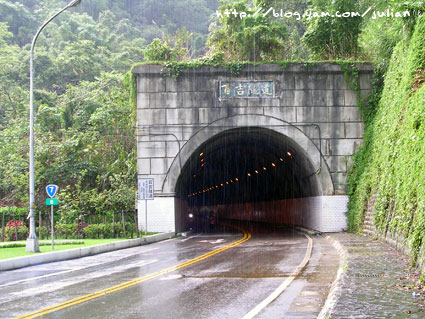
<point x="51" y="191"/>
<point x="145" y="190"/>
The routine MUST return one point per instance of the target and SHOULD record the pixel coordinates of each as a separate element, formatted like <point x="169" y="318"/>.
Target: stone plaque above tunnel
<point x="246" y="89"/>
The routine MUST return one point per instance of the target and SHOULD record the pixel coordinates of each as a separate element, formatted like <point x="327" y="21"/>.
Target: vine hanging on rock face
<point x="389" y="166"/>
<point x="175" y="68"/>
<point x="351" y="75"/>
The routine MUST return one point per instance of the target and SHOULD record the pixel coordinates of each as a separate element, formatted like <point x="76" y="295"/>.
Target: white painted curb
<point x="20" y="262"/>
<point x="336" y="288"/>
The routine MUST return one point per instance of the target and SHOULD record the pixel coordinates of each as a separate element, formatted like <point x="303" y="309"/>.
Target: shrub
<point x="43" y="234"/>
<point x="106" y="230"/>
<point x="75" y="231"/>
<point x="21" y="231"/>
<point x="67" y="231"/>
<point x="91" y="231"/>
<point x="13" y="223"/>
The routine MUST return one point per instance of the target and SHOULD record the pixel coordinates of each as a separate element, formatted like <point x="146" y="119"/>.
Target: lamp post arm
<point x="69" y="5"/>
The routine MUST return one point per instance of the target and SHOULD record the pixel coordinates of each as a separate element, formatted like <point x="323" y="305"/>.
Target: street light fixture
<point x="32" y="241"/>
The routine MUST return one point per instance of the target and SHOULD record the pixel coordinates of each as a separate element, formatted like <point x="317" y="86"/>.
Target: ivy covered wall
<point x="388" y="175"/>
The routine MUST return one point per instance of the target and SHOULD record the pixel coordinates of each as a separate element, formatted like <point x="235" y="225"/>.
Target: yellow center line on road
<point x="131" y="283"/>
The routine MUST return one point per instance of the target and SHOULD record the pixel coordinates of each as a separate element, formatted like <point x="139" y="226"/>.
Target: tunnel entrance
<point x="245" y="174"/>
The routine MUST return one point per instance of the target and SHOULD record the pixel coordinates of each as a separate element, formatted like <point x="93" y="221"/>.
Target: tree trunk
<point x="39" y="224"/>
<point x="2" y="228"/>
<point x="123" y="223"/>
<point x="137" y="224"/>
<point x="16" y="226"/>
<point x="113" y="224"/>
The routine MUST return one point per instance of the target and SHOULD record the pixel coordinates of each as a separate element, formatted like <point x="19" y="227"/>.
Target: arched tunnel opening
<point x="245" y="174"/>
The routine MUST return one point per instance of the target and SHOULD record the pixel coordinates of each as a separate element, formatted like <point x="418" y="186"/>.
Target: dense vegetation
<point x="85" y="121"/>
<point x="388" y="172"/>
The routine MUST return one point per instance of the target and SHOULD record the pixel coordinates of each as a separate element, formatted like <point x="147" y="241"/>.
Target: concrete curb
<point x="308" y="231"/>
<point x="20" y="262"/>
<point x="336" y="288"/>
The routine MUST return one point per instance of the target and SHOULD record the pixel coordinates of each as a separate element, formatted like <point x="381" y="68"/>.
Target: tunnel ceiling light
<point x="289" y="154"/>
<point x="264" y="168"/>
<point x="256" y="172"/>
<point x="202" y="165"/>
<point x="206" y="190"/>
<point x="202" y="154"/>
<point x="281" y="159"/>
<point x="202" y="159"/>
<point x="273" y="164"/>
<point x="194" y="175"/>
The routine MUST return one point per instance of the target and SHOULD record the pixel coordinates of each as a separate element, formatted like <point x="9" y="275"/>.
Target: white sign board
<point x="145" y="188"/>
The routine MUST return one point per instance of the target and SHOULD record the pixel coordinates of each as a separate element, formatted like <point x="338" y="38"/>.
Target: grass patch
<point x="12" y="252"/>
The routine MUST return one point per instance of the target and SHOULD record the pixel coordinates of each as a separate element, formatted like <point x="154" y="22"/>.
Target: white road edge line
<point x="67" y="271"/>
<point x="189" y="237"/>
<point x="284" y="285"/>
<point x="166" y="241"/>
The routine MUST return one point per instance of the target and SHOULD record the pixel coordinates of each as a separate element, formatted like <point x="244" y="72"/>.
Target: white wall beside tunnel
<point x="324" y="213"/>
<point x="161" y="216"/>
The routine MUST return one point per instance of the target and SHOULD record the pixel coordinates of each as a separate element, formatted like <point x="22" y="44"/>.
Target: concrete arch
<point x="293" y="133"/>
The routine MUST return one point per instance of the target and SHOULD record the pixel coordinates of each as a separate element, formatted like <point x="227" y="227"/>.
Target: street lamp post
<point x="32" y="241"/>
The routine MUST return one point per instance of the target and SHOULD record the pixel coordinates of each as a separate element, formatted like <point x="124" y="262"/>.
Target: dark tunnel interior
<point x="245" y="165"/>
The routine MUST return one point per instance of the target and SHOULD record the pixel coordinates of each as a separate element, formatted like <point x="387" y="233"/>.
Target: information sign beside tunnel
<point x="145" y="189"/>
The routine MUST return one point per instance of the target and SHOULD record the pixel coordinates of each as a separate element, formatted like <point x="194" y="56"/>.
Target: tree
<point x="170" y="48"/>
<point x="20" y="20"/>
<point x="332" y="37"/>
<point x="84" y="127"/>
<point x="252" y="38"/>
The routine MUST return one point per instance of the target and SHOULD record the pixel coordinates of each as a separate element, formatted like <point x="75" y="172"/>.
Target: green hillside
<point x="389" y="170"/>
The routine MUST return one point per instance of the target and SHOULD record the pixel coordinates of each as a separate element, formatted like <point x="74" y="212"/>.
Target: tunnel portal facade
<point x="267" y="145"/>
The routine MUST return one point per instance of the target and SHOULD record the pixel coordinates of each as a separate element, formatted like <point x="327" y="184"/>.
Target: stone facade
<point x="313" y="106"/>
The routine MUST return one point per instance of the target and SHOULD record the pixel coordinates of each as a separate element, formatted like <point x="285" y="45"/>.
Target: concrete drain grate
<point x="370" y="275"/>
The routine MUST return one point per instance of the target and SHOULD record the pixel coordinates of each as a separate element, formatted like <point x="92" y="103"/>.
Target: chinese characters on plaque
<point x="241" y="89"/>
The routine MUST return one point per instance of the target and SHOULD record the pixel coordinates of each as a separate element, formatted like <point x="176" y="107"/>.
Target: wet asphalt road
<point x="226" y="285"/>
